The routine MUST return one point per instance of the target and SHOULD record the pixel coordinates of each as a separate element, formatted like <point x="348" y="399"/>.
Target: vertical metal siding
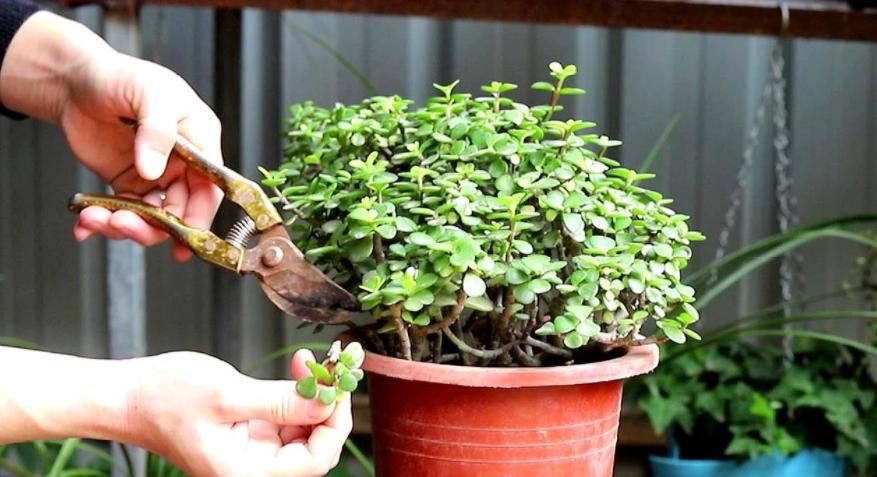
<point x="51" y="289"/>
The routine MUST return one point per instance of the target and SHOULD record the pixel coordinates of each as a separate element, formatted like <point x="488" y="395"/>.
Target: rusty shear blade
<point x="293" y="284"/>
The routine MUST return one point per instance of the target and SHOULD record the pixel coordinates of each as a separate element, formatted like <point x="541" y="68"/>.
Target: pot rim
<point x="635" y="361"/>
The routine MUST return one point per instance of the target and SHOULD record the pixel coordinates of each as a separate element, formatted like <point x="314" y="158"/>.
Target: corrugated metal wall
<point x="53" y="291"/>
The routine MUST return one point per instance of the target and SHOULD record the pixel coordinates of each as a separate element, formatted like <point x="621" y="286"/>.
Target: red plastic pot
<point x="431" y="420"/>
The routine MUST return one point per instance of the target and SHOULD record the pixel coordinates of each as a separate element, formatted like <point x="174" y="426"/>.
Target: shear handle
<point x="238" y="189"/>
<point x="202" y="242"/>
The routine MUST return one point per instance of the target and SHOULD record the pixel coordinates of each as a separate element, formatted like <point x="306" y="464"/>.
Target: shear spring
<point x="241" y="232"/>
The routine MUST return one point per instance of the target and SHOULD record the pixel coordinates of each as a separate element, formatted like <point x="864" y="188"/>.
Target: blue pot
<point x="807" y="463"/>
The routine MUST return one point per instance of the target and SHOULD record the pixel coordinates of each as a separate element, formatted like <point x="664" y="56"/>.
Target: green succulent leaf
<point x="473" y="285"/>
<point x="307" y="387"/>
<point x="327" y="396"/>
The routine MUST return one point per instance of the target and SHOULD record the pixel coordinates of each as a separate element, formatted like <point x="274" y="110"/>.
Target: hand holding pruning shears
<point x="194" y="409"/>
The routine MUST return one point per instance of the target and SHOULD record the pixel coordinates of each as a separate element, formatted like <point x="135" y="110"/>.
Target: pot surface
<point x="432" y="420"/>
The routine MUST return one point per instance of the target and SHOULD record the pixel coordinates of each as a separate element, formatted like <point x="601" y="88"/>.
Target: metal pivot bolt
<point x="272" y="257"/>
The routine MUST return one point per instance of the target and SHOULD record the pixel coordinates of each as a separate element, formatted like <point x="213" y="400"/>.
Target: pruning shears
<point x="288" y="280"/>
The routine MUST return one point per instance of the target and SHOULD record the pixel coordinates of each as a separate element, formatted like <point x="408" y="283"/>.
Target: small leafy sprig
<point x="336" y="375"/>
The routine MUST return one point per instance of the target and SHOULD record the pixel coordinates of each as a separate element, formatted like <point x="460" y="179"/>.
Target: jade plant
<point x="335" y="376"/>
<point x="483" y="231"/>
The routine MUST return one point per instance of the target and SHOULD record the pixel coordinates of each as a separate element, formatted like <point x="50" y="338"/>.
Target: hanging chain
<point x="774" y="92"/>
<point x="792" y="263"/>
<point x="730" y="221"/>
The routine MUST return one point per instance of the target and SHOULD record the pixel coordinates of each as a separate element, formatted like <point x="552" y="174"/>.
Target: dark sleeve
<point x="13" y="13"/>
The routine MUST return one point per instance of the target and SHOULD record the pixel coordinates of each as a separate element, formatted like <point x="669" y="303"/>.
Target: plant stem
<point x="610" y="345"/>
<point x="508" y="299"/>
<point x="287" y="205"/>
<point x="449" y="320"/>
<point x="378" y="248"/>
<point x="564" y="353"/>
<point x="480" y="353"/>
<point x="437" y="349"/>
<point x="555" y="96"/>
<point x="525" y="359"/>
<point x="401" y="331"/>
<point x="448" y="357"/>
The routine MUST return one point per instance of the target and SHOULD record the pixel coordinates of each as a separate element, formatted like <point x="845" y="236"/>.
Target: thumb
<point x="155" y="138"/>
<point x="274" y="401"/>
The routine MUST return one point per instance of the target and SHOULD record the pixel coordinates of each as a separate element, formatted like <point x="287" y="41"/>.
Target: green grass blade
<point x="766" y="311"/>
<point x="655" y="152"/>
<point x="755" y="329"/>
<point x="360" y="457"/>
<point x="64" y="456"/>
<point x="82" y="473"/>
<point x="363" y="79"/>
<point x="87" y="448"/>
<point x="746" y="253"/>
<point x="18" y="343"/>
<point x="43" y="452"/>
<point x="817" y="335"/>
<point x="777" y="251"/>
<point x="286" y="351"/>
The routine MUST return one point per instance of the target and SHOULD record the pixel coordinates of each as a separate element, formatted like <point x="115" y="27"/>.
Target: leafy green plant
<point x="55" y="458"/>
<point x="335" y="377"/>
<point x="485" y="221"/>
<point x="741" y="400"/>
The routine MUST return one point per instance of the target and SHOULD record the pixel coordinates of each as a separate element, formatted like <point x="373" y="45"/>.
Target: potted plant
<point x="739" y="409"/>
<point x="512" y="274"/>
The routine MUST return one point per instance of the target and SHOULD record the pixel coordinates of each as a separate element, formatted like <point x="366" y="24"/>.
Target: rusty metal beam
<point x="830" y="19"/>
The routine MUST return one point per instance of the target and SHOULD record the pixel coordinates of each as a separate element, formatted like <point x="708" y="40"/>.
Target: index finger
<point x="204" y="131"/>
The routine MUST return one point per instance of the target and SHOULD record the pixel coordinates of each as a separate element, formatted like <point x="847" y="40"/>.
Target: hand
<point x="210" y="420"/>
<point x="60" y="71"/>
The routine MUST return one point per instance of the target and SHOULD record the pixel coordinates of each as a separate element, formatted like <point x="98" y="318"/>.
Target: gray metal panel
<point x="834" y="115"/>
<point x="637" y="81"/>
<point x="179" y="296"/>
<point x="261" y="322"/>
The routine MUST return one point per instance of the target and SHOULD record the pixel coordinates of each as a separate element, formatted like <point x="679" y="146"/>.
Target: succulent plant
<point x="484" y="231"/>
<point x="336" y="375"/>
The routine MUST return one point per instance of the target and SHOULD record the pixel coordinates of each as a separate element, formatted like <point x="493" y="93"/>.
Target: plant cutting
<point x="335" y="376"/>
<point x="498" y="253"/>
<point x="740" y="409"/>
